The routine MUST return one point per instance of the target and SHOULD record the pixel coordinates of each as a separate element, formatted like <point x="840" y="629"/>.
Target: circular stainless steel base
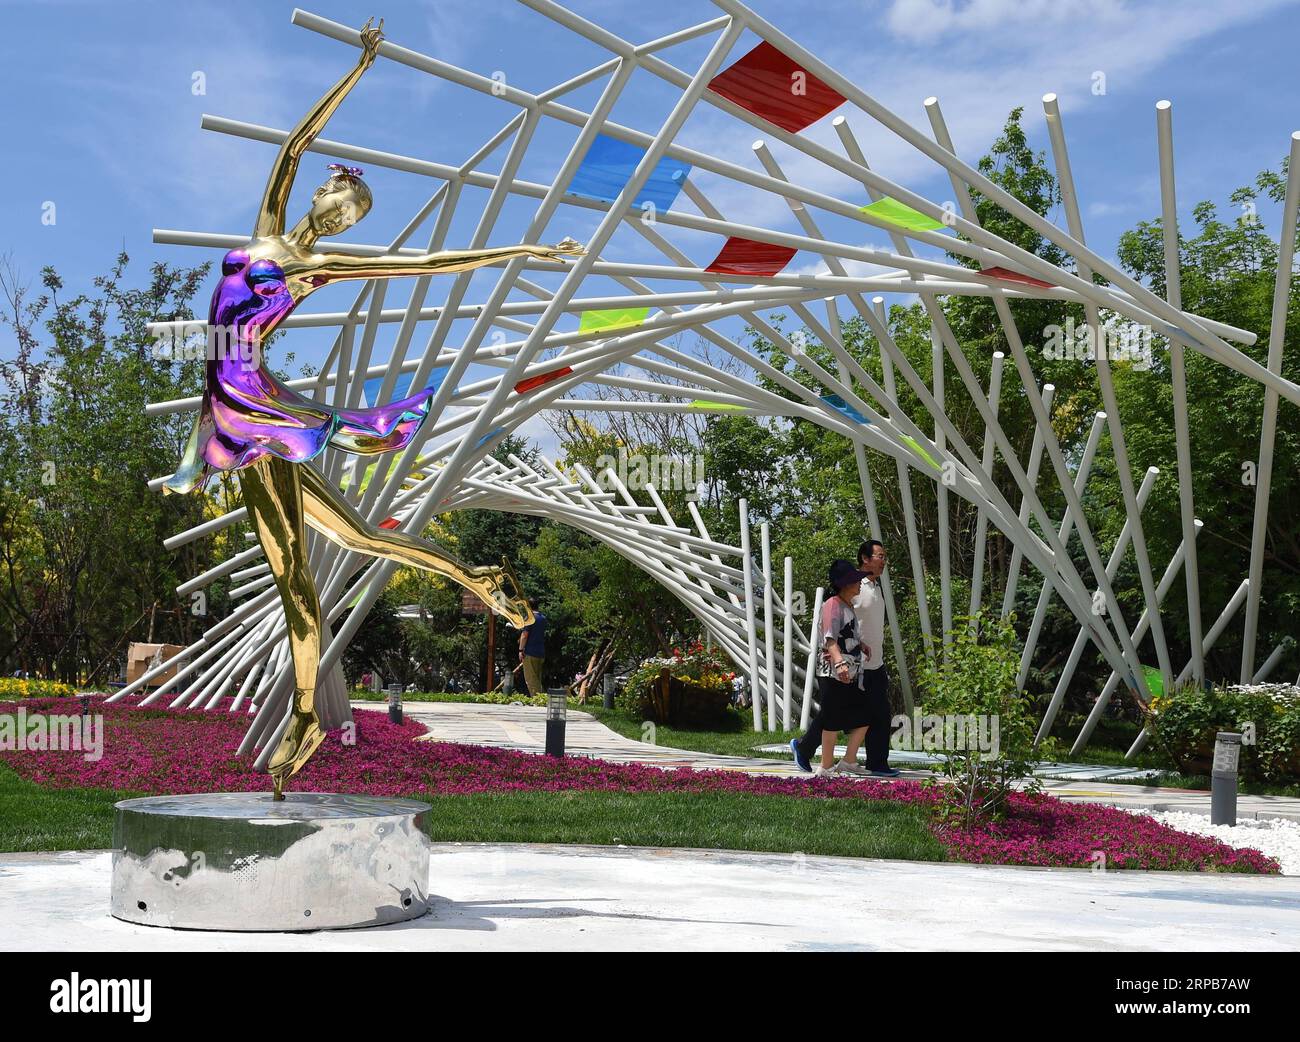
<point x="242" y="861"/>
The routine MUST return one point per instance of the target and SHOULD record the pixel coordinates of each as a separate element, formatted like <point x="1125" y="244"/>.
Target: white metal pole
<point x="981" y="518"/>
<point x="1031" y="474"/>
<point x="751" y="631"/>
<point x="787" y="645"/>
<point x="1178" y="382"/>
<point x="814" y="647"/>
<point x="769" y="635"/>
<point x="1268" y="426"/>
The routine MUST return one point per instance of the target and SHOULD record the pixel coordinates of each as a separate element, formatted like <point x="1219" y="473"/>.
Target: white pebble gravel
<point x="1277" y="837"/>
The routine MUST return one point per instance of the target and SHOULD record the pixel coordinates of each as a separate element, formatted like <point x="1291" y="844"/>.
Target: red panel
<point x="1007" y="275"/>
<point x="749" y="257"/>
<point x="390" y="523"/>
<point x="762" y="82"/>
<point x="523" y="386"/>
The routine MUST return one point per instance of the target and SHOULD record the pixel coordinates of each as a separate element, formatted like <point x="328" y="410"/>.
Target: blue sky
<point x="102" y="119"/>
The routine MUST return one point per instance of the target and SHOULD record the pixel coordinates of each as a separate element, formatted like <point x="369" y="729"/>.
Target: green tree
<point x="82" y="565"/>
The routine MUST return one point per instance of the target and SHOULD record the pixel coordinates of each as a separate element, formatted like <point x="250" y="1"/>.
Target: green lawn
<point x="36" y="818"/>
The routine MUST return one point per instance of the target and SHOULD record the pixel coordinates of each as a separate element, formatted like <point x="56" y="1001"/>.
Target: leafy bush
<point x="977" y="677"/>
<point x="12" y="687"/>
<point x="1184" y="723"/>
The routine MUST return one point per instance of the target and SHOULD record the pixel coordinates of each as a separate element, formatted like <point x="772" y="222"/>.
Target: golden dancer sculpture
<point x="251" y="422"/>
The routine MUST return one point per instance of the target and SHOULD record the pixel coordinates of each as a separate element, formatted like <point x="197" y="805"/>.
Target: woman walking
<point x="251" y="422"/>
<point x="844" y="705"/>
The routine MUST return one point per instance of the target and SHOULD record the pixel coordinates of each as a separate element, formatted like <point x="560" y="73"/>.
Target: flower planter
<point x="684" y="703"/>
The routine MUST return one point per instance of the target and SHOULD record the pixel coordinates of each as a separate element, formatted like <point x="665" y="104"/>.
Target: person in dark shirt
<point x="532" y="650"/>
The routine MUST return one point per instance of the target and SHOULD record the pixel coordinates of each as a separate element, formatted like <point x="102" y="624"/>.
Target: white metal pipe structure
<point x="1119" y="446"/>
<point x="962" y="186"/>
<point x="1268" y="426"/>
<point x="1034" y="265"/>
<point x="514" y="322"/>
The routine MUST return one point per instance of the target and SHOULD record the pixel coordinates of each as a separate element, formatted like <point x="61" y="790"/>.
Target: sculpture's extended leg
<point x="335" y="518"/>
<point x="273" y="495"/>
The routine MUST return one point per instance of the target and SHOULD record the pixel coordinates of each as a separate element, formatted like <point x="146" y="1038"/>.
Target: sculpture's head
<point x="340" y="202"/>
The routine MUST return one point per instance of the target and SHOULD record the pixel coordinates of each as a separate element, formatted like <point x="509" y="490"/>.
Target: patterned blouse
<point x="839" y="622"/>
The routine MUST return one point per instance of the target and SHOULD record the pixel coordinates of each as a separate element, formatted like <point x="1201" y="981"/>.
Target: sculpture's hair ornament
<point x="345" y="171"/>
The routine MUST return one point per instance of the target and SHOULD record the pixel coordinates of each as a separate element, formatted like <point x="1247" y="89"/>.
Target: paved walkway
<point x="524" y="728"/>
<point x="551" y="898"/>
<point x="1091" y="772"/>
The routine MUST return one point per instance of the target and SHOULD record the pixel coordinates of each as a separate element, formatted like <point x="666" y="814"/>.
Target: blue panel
<point x="489" y="436"/>
<point x="840" y="405"/>
<point x="609" y="166"/>
<point x="402" y="387"/>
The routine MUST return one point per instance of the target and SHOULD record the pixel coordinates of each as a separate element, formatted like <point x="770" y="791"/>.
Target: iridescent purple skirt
<point x="247" y="413"/>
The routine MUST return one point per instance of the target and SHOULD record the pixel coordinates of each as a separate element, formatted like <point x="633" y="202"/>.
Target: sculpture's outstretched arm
<point x="332" y="267"/>
<point x="270" y="218"/>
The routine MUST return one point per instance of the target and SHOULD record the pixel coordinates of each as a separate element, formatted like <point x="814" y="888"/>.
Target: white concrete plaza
<point x="529" y="897"/>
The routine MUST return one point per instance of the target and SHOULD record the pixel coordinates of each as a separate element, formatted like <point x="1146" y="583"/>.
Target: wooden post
<point x="492" y="647"/>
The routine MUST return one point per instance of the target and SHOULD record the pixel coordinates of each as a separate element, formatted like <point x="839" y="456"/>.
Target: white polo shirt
<point x="869" y="607"/>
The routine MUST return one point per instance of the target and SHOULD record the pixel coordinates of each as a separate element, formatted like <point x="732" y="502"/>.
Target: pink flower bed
<point x="164" y="751"/>
<point x="1044" y="830"/>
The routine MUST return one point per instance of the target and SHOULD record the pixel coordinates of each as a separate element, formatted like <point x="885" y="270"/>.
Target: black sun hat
<point x="843" y="574"/>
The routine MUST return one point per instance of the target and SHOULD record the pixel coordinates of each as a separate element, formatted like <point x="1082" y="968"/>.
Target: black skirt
<point x="844" y="706"/>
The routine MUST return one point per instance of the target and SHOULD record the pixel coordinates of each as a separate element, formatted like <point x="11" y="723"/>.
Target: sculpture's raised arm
<point x="270" y="218"/>
<point x="333" y="267"/>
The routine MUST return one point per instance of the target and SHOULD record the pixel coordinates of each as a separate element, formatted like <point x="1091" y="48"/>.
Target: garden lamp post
<point x="556" y="709"/>
<point x="1223" y="778"/>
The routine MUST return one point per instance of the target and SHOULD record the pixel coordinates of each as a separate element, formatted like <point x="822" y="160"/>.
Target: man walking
<point x="532" y="650"/>
<point x="869" y="606"/>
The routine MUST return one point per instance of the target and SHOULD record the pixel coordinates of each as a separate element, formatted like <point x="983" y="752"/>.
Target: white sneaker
<point x="823" y="772"/>
<point x="844" y="767"/>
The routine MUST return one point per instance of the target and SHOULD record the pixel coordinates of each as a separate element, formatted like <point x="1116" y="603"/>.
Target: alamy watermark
<point x="191" y="341"/>
<point x="947" y="733"/>
<point x="75" y="994"/>
<point x="1115" y="341"/>
<point x="37" y="732"/>
<point x="666" y="472"/>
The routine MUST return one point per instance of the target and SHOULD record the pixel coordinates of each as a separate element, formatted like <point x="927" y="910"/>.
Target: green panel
<point x="702" y="403"/>
<point x="1155" y="682"/>
<point x="615" y="318"/>
<point x="901" y="214"/>
<point x="915" y="446"/>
